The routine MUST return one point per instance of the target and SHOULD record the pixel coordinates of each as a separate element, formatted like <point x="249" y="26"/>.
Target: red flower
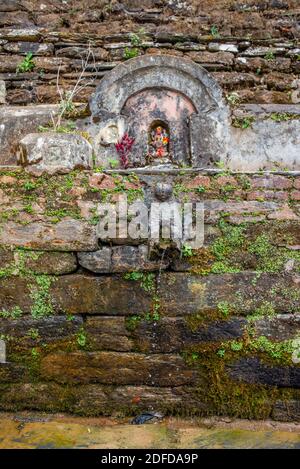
<point x="123" y="148"/>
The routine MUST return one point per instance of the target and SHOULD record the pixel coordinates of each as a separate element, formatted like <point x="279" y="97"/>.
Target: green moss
<point x="280" y="117"/>
<point x="222" y="395"/>
<point x="178" y="188"/>
<point x="236" y="346"/>
<point x="200" y="261"/>
<point x="270" y="258"/>
<point x="33" y="333"/>
<point x="225" y="308"/>
<point x="40" y="294"/>
<point x="207" y="315"/>
<point x="232" y="238"/>
<point x="278" y="351"/>
<point x="223" y="268"/>
<point x="81" y="338"/>
<point x="132" y="322"/>
<point x="269" y="55"/>
<point x="147" y="281"/>
<point x="12" y="313"/>
<point x="29" y="185"/>
<point x="266" y="309"/>
<point x="243" y="122"/>
<point x="57" y="215"/>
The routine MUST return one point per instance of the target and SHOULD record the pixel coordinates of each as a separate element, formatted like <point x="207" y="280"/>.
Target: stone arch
<point x="207" y="133"/>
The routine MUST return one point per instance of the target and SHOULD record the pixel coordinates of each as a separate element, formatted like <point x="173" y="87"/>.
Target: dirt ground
<point x="38" y="430"/>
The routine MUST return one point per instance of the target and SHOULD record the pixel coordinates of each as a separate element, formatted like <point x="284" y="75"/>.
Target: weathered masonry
<point x="116" y="326"/>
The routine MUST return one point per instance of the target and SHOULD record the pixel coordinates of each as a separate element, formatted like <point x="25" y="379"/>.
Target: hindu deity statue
<point x="159" y="143"/>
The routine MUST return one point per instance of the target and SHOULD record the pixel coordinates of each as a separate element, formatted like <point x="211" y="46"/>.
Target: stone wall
<point x="249" y="47"/>
<point x="95" y="327"/>
<point x="115" y="327"/>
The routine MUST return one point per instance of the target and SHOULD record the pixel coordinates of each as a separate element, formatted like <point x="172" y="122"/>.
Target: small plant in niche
<point x="123" y="148"/>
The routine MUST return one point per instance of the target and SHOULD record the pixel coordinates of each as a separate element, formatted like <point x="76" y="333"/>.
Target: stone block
<point x="283" y="213"/>
<point x="169" y="335"/>
<point x="66" y="235"/>
<point x="286" y="410"/>
<point x="97" y="261"/>
<point x="94" y="399"/>
<point x="39" y="262"/>
<point x="280" y="327"/>
<point x="120" y="259"/>
<point x="253" y="371"/>
<point x="280" y="141"/>
<point x="117" y="368"/>
<point x="16" y="122"/>
<point x="182" y="294"/>
<point x="108" y="333"/>
<point x="107" y="295"/>
<point x="36" y="48"/>
<point x="35" y="396"/>
<point x="26" y="332"/>
<point x="275" y="182"/>
<point x="53" y="152"/>
<point x="12" y="372"/>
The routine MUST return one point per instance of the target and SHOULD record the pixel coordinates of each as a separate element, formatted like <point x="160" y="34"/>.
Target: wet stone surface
<point x="42" y="431"/>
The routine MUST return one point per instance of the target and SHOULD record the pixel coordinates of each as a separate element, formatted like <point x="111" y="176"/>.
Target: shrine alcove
<point x="171" y="107"/>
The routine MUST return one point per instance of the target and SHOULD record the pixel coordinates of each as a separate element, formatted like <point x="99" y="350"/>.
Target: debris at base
<point x="146" y="417"/>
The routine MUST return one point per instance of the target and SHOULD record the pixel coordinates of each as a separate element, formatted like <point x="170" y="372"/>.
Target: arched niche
<point x="173" y="90"/>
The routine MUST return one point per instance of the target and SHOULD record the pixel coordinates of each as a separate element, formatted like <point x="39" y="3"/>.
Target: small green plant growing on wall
<point x="130" y="53"/>
<point x="35" y="353"/>
<point x="280" y="117"/>
<point x="133" y="321"/>
<point x="242" y="122"/>
<point x="27" y="64"/>
<point x="186" y="250"/>
<point x="81" y="338"/>
<point x="214" y="31"/>
<point x="233" y="98"/>
<point x="13" y="313"/>
<point x="221" y="352"/>
<point x="147" y="281"/>
<point x="135" y="39"/>
<point x="200" y="189"/>
<point x="236" y="346"/>
<point x="113" y="163"/>
<point x="33" y="333"/>
<point x="269" y="55"/>
<point x="29" y="186"/>
<point x="39" y="293"/>
<point x="224" y="308"/>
